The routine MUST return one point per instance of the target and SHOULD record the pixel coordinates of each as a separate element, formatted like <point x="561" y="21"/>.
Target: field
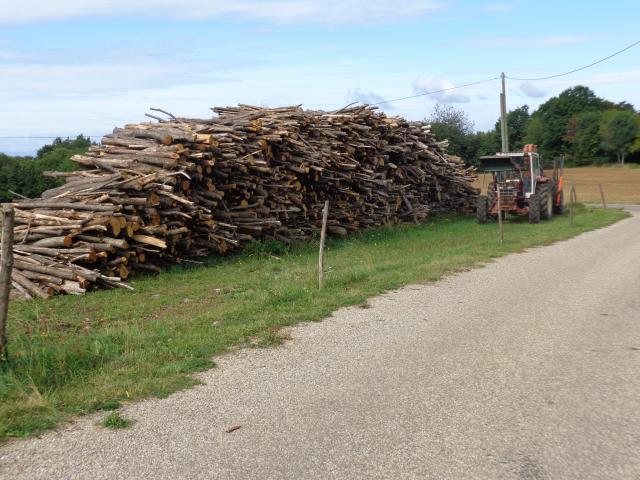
<point x="620" y="184"/>
<point x="75" y="355"/>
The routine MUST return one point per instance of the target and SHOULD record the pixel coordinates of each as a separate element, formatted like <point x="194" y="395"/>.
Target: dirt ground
<point x="620" y="184"/>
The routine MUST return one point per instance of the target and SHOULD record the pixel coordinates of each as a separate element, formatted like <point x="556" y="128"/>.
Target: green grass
<point x="115" y="420"/>
<point x="75" y="355"/>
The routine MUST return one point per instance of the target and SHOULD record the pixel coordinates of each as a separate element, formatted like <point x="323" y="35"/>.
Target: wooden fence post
<point x="604" y="204"/>
<point x="6" y="263"/>
<point x="500" y="226"/>
<point x="573" y="198"/>
<point x="323" y="234"/>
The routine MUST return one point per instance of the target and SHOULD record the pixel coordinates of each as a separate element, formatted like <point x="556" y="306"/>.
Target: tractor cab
<point x="518" y="186"/>
<point x="515" y="170"/>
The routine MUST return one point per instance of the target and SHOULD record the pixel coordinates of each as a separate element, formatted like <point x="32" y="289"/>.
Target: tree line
<point x="23" y="175"/>
<point x="586" y="129"/>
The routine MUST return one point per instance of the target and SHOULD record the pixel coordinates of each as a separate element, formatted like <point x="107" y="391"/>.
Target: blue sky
<point x="77" y="66"/>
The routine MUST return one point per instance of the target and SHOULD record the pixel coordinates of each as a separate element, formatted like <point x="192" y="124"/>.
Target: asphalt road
<point x="528" y="368"/>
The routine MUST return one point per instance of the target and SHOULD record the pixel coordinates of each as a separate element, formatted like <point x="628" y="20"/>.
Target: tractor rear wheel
<point x="546" y="201"/>
<point x="534" y="208"/>
<point x="481" y="209"/>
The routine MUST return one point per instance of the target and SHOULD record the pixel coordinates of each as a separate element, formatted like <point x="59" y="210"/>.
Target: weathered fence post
<point x="573" y="198"/>
<point x="6" y="263"/>
<point x="500" y="226"/>
<point x="323" y="234"/>
<point x="604" y="204"/>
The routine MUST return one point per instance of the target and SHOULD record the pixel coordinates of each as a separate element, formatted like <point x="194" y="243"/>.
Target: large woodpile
<point x="162" y="192"/>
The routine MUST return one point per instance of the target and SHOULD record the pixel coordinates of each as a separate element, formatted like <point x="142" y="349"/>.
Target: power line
<point x="437" y="91"/>
<point x="628" y="47"/>
<point x="577" y="69"/>
<point x="513" y="78"/>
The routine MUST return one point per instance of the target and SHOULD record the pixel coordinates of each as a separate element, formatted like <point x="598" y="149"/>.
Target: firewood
<point x="157" y="193"/>
<point x="30" y="286"/>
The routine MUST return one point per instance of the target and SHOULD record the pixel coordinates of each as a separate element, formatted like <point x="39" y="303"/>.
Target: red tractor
<point x="519" y="180"/>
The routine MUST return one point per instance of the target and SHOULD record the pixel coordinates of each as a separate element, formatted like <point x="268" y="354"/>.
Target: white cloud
<point x="99" y="80"/>
<point x="78" y="80"/>
<point x="442" y="88"/>
<point x="274" y="11"/>
<point x="531" y="91"/>
<point x="366" y="96"/>
<point x="43" y="100"/>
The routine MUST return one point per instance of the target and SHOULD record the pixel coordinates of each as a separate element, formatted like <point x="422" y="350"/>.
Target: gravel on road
<point x="527" y="368"/>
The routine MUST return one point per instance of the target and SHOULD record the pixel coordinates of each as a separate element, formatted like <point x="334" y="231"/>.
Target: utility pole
<point x="503" y="117"/>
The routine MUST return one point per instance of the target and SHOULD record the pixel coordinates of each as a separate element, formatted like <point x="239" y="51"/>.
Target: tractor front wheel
<point x="534" y="208"/>
<point x="481" y="209"/>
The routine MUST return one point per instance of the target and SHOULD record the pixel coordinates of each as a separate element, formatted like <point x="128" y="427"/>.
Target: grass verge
<point x="75" y="355"/>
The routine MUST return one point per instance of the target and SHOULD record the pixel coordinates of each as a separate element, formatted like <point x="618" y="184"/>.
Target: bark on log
<point x="153" y="194"/>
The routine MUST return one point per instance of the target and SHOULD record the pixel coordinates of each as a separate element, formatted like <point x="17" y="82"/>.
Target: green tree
<point x="585" y="139"/>
<point x="488" y="143"/>
<point x="635" y="146"/>
<point x="23" y="175"/>
<point x="454" y="125"/>
<point x="549" y="127"/>
<point x="517" y="123"/>
<point x="619" y="130"/>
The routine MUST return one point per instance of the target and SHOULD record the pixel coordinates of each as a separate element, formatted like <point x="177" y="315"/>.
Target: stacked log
<point x="158" y="193"/>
